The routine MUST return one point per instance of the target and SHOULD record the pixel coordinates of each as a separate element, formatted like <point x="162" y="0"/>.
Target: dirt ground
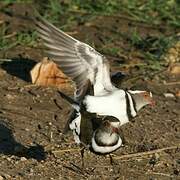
<point x="32" y="118"/>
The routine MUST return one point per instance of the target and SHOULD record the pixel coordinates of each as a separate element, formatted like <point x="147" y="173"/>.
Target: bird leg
<point x="82" y="152"/>
<point x="82" y="156"/>
<point x="111" y="160"/>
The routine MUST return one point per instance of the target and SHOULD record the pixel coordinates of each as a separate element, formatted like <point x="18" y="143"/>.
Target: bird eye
<point x="146" y="95"/>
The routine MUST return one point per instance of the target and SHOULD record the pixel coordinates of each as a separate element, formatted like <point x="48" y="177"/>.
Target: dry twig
<point x="159" y="174"/>
<point x="133" y="18"/>
<point x="146" y="153"/>
<point x="65" y="150"/>
<point x="5" y="60"/>
<point x="172" y="83"/>
<point x="10" y="35"/>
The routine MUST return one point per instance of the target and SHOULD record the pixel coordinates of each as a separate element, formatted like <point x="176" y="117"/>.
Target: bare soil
<point x="32" y="145"/>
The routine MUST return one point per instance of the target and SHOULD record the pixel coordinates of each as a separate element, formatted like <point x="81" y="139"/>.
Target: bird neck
<point x="131" y="105"/>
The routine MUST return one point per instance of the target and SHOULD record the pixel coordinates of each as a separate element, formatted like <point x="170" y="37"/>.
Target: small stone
<point x="23" y="159"/>
<point x="10" y="97"/>
<point x="6" y="176"/>
<point x="169" y="95"/>
<point x="157" y="155"/>
<point x="178" y="93"/>
<point x="2" y="72"/>
<point x="31" y="170"/>
<point x="1" y="178"/>
<point x="8" y="159"/>
<point x="174" y="69"/>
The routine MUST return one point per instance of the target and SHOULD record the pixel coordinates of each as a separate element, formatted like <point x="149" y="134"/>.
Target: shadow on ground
<point x="9" y="146"/>
<point x="19" y="67"/>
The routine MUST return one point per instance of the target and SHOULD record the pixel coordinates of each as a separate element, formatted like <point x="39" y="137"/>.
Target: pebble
<point x="6" y="176"/>
<point x="2" y="72"/>
<point x="175" y="69"/>
<point x="10" y="96"/>
<point x="178" y="93"/>
<point x="1" y="178"/>
<point x="8" y="159"/>
<point x="31" y="171"/>
<point x="23" y="159"/>
<point x="169" y="95"/>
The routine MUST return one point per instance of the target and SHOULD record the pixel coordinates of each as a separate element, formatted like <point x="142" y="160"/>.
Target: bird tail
<point x="71" y="101"/>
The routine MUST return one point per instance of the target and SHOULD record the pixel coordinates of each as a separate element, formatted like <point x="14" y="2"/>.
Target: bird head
<point x="141" y="98"/>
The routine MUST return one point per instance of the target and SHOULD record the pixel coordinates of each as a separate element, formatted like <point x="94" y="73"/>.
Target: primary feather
<point x="78" y="60"/>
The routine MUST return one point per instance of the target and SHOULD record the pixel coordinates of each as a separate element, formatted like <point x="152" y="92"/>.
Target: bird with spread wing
<point x="87" y="67"/>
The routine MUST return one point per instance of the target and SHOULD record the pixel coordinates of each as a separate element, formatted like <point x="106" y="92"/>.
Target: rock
<point x="5" y="176"/>
<point x="8" y="159"/>
<point x="23" y="159"/>
<point x="174" y="69"/>
<point x="169" y="95"/>
<point x="2" y="72"/>
<point x="173" y="54"/>
<point x="10" y="97"/>
<point x="178" y="93"/>
<point x="47" y="73"/>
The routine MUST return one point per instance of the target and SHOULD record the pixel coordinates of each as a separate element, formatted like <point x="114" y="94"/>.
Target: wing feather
<point x="76" y="59"/>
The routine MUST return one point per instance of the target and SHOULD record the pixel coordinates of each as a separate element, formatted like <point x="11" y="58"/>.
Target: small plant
<point x="17" y="1"/>
<point x="8" y="41"/>
<point x="26" y="38"/>
<point x="5" y="42"/>
<point x="111" y="51"/>
<point x="135" y="38"/>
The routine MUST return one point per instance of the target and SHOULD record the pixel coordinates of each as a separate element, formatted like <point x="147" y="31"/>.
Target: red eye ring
<point x="146" y="95"/>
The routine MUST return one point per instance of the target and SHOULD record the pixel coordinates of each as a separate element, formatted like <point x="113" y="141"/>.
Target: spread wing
<point x="76" y="59"/>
